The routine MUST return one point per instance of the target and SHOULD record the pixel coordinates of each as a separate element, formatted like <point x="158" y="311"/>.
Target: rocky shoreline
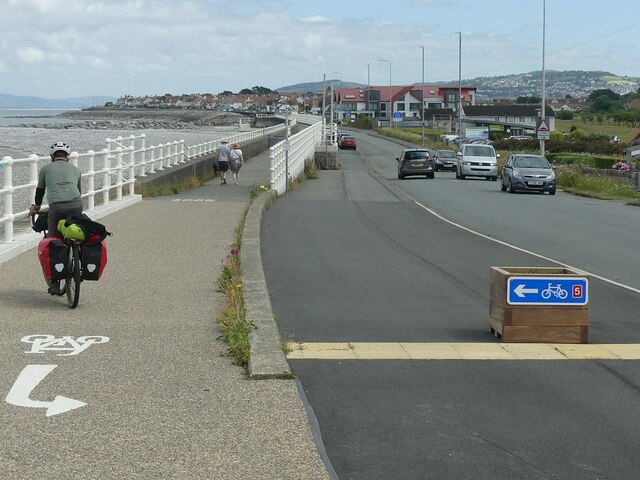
<point x="87" y="129"/>
<point x="142" y="119"/>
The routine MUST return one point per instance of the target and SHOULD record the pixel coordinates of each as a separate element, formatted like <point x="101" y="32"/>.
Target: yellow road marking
<point x="462" y="351"/>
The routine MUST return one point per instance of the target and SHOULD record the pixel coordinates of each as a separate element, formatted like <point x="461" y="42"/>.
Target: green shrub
<point x="556" y="135"/>
<point x="565" y="115"/>
<point x="571" y="177"/>
<point x="363" y="121"/>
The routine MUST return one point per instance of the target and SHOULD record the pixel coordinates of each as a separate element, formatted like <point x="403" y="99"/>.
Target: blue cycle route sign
<point x="570" y="291"/>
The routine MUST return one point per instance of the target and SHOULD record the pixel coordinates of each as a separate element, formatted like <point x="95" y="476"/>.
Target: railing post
<point x="174" y="154"/>
<point x="119" y="173"/>
<point x="159" y="157"/>
<point x="168" y="154"/>
<point x="184" y="156"/>
<point x="143" y="149"/>
<point x="106" y="175"/>
<point x="33" y="173"/>
<point x="73" y="158"/>
<point x="91" y="174"/>
<point x="8" y="198"/>
<point x="132" y="170"/>
<point x="152" y="160"/>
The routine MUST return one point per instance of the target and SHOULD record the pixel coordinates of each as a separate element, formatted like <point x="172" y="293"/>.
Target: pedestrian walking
<point x="237" y="161"/>
<point x="223" y="160"/>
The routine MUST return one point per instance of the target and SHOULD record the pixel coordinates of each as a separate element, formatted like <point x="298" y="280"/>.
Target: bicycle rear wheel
<point x="73" y="279"/>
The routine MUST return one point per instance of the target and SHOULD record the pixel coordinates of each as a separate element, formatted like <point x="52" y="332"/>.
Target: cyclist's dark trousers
<point x="59" y="211"/>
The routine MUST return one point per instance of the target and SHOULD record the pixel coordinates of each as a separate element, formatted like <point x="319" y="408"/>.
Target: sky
<point x="76" y="48"/>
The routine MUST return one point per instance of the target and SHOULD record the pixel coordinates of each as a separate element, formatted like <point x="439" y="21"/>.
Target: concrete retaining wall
<point x="201" y="168"/>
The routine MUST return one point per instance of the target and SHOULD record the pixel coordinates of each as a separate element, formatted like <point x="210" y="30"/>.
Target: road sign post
<point x="539" y="304"/>
<point x="543" y="130"/>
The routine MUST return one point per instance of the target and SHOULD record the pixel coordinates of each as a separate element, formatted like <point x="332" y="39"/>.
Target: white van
<point x="477" y="160"/>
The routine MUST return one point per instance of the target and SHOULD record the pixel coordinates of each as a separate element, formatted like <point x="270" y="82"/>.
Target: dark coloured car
<point x="415" y="161"/>
<point x="445" y="160"/>
<point x="347" y="142"/>
<point x="528" y="172"/>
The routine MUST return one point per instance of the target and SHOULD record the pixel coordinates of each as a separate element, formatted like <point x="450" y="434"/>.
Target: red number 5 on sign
<point x="577" y="291"/>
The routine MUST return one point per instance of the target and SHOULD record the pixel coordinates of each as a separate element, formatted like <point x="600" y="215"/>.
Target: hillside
<point x="316" y="87"/>
<point x="559" y="84"/>
<point x="576" y="83"/>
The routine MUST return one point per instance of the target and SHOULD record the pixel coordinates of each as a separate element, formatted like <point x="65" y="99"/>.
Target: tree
<point x="261" y="90"/>
<point x="531" y="99"/>
<point x="565" y="115"/>
<point x="604" y="104"/>
<point x="593" y="96"/>
<point x="226" y="93"/>
<point x="246" y="91"/>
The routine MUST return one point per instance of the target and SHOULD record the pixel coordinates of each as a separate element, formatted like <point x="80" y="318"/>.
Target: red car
<point x="347" y="142"/>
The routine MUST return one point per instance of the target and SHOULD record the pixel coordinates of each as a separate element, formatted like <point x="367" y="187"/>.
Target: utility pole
<point x="459" y="87"/>
<point x="422" y="115"/>
<point x="542" y="107"/>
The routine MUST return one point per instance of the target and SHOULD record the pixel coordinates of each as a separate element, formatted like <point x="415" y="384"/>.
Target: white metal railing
<point x="113" y="169"/>
<point x="288" y="156"/>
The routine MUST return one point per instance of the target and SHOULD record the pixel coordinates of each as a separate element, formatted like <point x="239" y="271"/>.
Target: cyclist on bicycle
<point x="61" y="180"/>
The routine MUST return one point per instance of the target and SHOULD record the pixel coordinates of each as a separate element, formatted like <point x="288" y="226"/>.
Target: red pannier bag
<point x="53" y="256"/>
<point x="94" y="257"/>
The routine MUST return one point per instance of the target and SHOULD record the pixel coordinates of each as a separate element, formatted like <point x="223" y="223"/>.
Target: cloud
<point x="316" y="19"/>
<point x="31" y="55"/>
<point x="156" y="46"/>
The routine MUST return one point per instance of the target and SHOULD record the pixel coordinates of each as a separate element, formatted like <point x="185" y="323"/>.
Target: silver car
<point x="528" y="172"/>
<point x="475" y="160"/>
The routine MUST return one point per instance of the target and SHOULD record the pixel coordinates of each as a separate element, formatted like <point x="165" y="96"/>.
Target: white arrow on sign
<point x="29" y="379"/>
<point x="521" y="291"/>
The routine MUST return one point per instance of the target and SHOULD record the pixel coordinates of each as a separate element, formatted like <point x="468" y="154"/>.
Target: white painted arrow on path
<point x="29" y="379"/>
<point x="521" y="291"/>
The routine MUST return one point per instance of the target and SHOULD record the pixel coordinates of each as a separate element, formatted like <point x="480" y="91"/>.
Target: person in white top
<point x="236" y="161"/>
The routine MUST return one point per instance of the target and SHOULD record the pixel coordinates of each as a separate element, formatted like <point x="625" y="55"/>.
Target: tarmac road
<point x="349" y="259"/>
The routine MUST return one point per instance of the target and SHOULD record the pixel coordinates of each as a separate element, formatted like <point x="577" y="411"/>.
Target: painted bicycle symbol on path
<point x="74" y="346"/>
<point x="31" y="375"/>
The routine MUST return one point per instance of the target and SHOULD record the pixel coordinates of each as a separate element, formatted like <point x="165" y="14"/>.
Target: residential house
<point x="515" y="119"/>
<point x="381" y="102"/>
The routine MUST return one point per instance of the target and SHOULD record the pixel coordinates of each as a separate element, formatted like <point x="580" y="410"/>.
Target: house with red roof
<point x="381" y="102"/>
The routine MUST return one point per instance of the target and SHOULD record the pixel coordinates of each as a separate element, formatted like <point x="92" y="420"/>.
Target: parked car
<point x="476" y="160"/>
<point x="415" y="161"/>
<point x="528" y="172"/>
<point x="347" y="141"/>
<point x="447" y="139"/>
<point x="445" y="160"/>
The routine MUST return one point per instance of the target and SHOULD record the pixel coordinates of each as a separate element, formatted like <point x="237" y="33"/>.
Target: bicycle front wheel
<point x="72" y="282"/>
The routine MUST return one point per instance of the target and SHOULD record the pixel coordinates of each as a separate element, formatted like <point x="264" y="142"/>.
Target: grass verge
<point x="232" y="319"/>
<point x="165" y="190"/>
<point x="571" y="179"/>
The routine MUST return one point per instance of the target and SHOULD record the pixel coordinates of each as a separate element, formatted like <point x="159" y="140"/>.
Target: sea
<point x="16" y="118"/>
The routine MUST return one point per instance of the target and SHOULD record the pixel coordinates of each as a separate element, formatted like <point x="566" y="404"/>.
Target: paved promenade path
<point x="156" y="396"/>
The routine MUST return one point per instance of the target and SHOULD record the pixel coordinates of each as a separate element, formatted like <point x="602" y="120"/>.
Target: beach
<point x="88" y="130"/>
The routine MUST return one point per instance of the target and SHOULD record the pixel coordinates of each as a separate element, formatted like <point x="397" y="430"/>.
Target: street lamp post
<point x="390" y="99"/>
<point x="542" y="107"/>
<point x="332" y="93"/>
<point x="459" y="87"/>
<point x="422" y="114"/>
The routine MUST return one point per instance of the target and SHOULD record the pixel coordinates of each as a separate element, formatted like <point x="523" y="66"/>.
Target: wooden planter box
<point x="536" y="323"/>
